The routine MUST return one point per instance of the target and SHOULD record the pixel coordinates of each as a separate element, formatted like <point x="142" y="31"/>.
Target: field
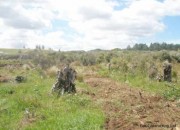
<point x="114" y="91"/>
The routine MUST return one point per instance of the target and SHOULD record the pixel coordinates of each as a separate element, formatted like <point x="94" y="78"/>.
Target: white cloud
<point x="96" y="23"/>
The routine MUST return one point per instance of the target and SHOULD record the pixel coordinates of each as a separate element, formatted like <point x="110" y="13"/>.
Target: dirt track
<point x="127" y="108"/>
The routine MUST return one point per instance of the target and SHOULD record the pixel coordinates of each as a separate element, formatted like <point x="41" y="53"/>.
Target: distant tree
<point x="140" y="46"/>
<point x="164" y="46"/>
<point x="43" y="47"/>
<point x="128" y="47"/>
<point x="153" y="46"/>
<point x="156" y="46"/>
<point x="36" y="47"/>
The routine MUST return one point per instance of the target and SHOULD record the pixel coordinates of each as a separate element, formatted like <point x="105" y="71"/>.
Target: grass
<point x="13" y="51"/>
<point x="68" y="112"/>
<point x="46" y="111"/>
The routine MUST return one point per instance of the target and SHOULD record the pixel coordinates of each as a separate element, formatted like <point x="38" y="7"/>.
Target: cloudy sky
<point x="87" y="24"/>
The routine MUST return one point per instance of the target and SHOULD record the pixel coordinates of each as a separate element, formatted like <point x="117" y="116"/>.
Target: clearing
<point x="128" y="108"/>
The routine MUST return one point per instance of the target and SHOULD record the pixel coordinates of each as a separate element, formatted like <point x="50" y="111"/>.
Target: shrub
<point x="152" y="72"/>
<point x="76" y="63"/>
<point x="124" y="67"/>
<point x="177" y="57"/>
<point x="100" y="58"/>
<point x="165" y="56"/>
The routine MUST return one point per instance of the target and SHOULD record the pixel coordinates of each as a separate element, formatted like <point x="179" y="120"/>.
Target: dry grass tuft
<point x="52" y="71"/>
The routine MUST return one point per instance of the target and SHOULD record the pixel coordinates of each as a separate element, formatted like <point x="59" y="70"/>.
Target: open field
<point x="120" y="97"/>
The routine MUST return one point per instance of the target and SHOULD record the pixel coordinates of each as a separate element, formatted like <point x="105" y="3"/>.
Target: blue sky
<point x="172" y="30"/>
<point x="171" y="33"/>
<point x="63" y="25"/>
<point x="88" y="24"/>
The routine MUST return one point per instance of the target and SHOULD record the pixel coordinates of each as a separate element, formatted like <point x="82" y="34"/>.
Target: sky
<point x="88" y="24"/>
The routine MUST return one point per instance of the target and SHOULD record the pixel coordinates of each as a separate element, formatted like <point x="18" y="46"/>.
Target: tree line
<point x="154" y="46"/>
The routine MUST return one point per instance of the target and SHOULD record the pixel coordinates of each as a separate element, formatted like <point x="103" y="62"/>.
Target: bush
<point x="153" y="72"/>
<point x="177" y="57"/>
<point x="88" y="59"/>
<point x="76" y="63"/>
<point x="165" y="56"/>
<point x="124" y="67"/>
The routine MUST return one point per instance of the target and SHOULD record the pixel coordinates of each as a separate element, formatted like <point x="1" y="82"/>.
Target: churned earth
<point x="128" y="108"/>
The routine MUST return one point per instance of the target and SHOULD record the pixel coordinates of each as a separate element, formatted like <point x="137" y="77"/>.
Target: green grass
<point x="47" y="112"/>
<point x="13" y="51"/>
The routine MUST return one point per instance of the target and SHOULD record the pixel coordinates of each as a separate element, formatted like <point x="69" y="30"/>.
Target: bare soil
<point x="4" y="79"/>
<point x="128" y="108"/>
